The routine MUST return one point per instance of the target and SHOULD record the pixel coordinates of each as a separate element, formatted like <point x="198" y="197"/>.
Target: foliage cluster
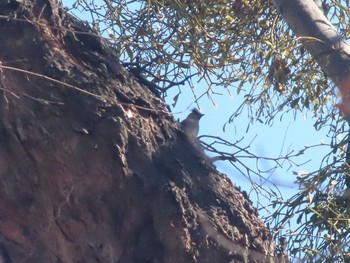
<point x="229" y="45"/>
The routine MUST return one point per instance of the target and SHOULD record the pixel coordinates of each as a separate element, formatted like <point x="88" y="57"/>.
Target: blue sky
<point x="266" y="141"/>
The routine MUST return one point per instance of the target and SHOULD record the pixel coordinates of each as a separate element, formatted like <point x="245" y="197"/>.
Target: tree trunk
<point x="318" y="35"/>
<point x="324" y="43"/>
<point x="93" y="168"/>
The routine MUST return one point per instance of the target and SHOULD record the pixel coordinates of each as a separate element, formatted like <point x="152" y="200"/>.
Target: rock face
<point x="93" y="168"/>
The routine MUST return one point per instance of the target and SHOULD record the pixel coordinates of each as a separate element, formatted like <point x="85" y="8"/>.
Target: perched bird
<point x="190" y="125"/>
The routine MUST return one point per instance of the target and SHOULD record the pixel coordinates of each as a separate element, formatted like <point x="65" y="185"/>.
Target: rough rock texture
<point x="93" y="168"/>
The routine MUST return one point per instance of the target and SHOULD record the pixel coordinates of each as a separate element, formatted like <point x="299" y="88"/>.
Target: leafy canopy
<point x="225" y="43"/>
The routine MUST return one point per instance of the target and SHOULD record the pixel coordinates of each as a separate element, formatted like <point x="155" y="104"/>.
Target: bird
<point x="190" y="125"/>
